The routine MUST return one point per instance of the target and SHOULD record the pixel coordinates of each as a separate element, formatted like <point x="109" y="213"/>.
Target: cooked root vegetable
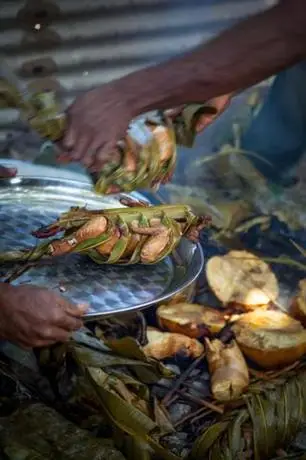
<point x="190" y="319"/>
<point x="241" y="278"/>
<point x="271" y="339"/>
<point x="298" y="307"/>
<point x="163" y="345"/>
<point x="228" y="370"/>
<point x="116" y="236"/>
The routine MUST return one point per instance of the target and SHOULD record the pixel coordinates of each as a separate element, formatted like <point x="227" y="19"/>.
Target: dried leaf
<point x="162" y="418"/>
<point x="273" y="417"/>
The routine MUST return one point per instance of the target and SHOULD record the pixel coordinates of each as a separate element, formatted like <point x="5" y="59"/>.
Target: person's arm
<point x="250" y="52"/>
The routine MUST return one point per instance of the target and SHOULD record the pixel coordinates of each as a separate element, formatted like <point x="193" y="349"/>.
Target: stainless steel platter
<point x="27" y="203"/>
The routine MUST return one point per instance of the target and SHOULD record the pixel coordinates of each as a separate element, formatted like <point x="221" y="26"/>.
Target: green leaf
<point x="124" y="415"/>
<point x="94" y="358"/>
<point x="140" y="388"/>
<point x="127" y="347"/>
<point x="92" y="243"/>
<point x="130" y="348"/>
<point x="235" y="437"/>
<point x="162" y="418"/>
<point x="204" y="443"/>
<point x="136" y="450"/>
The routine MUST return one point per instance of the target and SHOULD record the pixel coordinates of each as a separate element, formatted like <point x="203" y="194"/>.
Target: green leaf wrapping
<point x="151" y="169"/>
<point x="272" y="418"/>
<point x="153" y="242"/>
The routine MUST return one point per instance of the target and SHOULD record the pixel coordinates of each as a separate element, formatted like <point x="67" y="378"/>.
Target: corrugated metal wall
<point x="77" y="44"/>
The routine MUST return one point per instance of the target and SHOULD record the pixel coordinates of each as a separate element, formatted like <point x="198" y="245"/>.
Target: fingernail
<point x="7" y="172"/>
<point x="83" y="306"/>
<point x="12" y="171"/>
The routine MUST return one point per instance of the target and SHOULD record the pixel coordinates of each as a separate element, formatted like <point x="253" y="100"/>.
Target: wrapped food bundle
<point x="122" y="236"/>
<point x="41" y="110"/>
<point x="146" y="157"/>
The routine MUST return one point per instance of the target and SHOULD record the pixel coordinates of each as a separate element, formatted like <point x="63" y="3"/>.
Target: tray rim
<point x="36" y="181"/>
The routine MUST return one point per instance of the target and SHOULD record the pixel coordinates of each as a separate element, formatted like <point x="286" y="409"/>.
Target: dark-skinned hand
<point x="99" y="119"/>
<point x="35" y="317"/>
<point x="7" y="172"/>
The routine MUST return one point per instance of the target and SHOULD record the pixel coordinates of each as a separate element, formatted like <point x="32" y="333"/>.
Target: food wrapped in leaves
<point x="41" y="109"/>
<point x="228" y="370"/>
<point x="190" y="319"/>
<point x="116" y="236"/>
<point x="270" y="338"/>
<point x="146" y="157"/>
<point x="241" y="278"/>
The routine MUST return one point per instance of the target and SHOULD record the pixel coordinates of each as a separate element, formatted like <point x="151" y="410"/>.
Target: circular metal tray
<point x="26" y="203"/>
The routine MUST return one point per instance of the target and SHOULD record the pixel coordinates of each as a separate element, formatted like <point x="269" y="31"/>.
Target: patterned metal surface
<point x="31" y="203"/>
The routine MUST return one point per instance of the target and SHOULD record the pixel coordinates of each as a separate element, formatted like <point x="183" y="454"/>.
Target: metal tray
<point x="26" y="203"/>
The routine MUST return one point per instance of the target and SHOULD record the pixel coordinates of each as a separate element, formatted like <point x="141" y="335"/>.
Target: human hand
<point x="7" y="172"/>
<point x="97" y="120"/>
<point x="35" y="317"/>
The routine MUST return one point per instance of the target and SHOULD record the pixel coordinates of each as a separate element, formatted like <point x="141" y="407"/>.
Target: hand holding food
<point x="7" y="172"/>
<point x="35" y="317"/>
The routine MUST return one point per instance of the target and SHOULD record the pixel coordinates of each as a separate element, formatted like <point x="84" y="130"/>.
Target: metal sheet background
<point x="100" y="40"/>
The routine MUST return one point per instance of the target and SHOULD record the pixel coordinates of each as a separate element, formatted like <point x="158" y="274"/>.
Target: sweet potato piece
<point x="271" y="339"/>
<point x="298" y="307"/>
<point x="189" y="319"/>
<point x="241" y="278"/>
<point x="162" y="345"/>
<point x="228" y="370"/>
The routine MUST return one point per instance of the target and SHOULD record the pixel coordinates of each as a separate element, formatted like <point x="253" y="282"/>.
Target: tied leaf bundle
<point x="41" y="110"/>
<point x="147" y="155"/>
<point x="123" y="236"/>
